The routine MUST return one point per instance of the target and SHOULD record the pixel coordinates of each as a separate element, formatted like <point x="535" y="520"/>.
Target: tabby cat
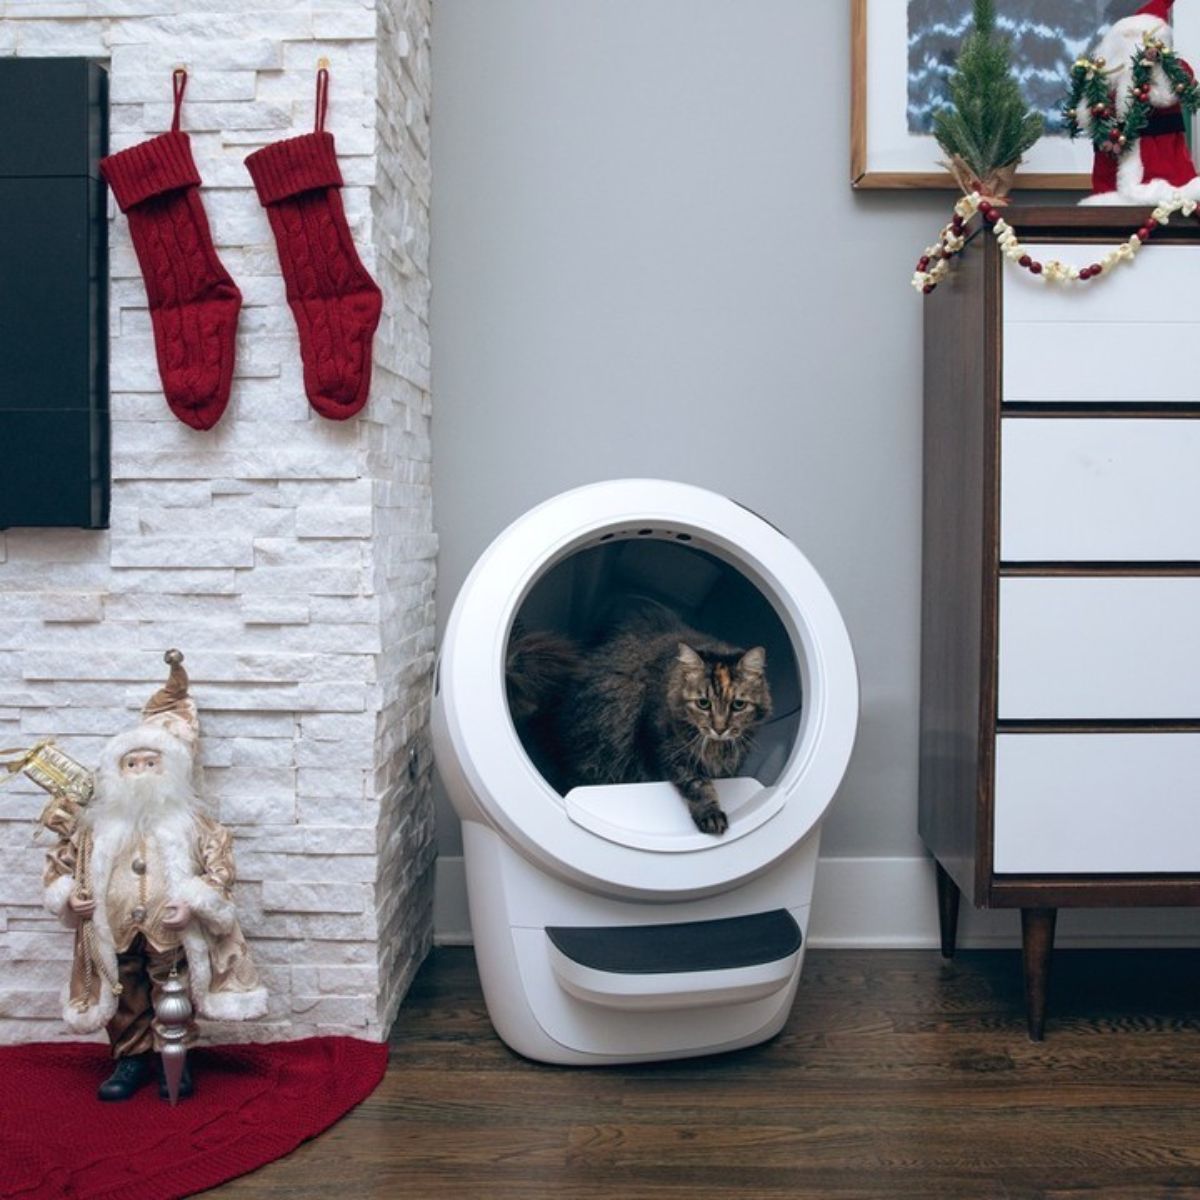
<point x="655" y="700"/>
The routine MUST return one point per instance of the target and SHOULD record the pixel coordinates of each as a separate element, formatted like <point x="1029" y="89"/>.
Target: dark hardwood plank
<point x="1092" y="570"/>
<point x="1094" y="891"/>
<point x="1102" y="725"/>
<point x="1099" y="410"/>
<point x="1063" y="222"/>
<point x="961" y="332"/>
<point x="899" y="1076"/>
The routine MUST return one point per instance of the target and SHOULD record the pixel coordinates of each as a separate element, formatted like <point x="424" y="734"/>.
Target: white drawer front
<point x="1052" y="334"/>
<point x="1097" y="803"/>
<point x="1089" y="648"/>
<point x="1060" y="364"/>
<point x="1115" y="490"/>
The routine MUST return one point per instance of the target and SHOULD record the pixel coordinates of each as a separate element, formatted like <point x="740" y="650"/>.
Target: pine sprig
<point x="1182" y="80"/>
<point x="1089" y="87"/>
<point x="988" y="124"/>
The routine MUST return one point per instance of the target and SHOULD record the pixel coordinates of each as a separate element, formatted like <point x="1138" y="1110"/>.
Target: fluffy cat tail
<point x="539" y="671"/>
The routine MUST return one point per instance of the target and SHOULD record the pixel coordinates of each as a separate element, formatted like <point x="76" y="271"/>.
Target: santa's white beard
<point x="1127" y="37"/>
<point x="138" y="803"/>
<point x="1118" y="49"/>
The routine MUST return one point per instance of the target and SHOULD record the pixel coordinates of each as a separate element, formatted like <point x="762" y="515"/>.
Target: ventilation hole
<point x="683" y="537"/>
<point x="645" y="532"/>
<point x="608" y="537"/>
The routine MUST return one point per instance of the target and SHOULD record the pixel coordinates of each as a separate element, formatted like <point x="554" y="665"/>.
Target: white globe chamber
<point x="607" y="927"/>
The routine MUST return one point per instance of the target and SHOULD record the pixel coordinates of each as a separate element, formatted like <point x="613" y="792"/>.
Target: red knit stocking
<point x="193" y="302"/>
<point x="335" y="302"/>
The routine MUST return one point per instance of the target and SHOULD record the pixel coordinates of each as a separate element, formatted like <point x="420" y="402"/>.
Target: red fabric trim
<point x="1166" y="156"/>
<point x="1163" y="156"/>
<point x="300" y="164"/>
<point x="163" y="164"/>
<point x="1104" y="174"/>
<point x="253" y="1104"/>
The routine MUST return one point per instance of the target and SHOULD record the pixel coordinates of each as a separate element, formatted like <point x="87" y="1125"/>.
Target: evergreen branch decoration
<point x="1090" y="94"/>
<point x="988" y="127"/>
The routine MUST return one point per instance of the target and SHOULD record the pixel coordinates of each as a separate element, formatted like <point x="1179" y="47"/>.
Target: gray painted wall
<point x="648" y="261"/>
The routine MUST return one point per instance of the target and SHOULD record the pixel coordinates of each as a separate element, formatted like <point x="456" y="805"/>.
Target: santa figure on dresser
<point x="1157" y="166"/>
<point x="145" y="880"/>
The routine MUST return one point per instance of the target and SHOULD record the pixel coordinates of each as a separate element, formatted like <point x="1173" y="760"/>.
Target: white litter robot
<point x="607" y="927"/>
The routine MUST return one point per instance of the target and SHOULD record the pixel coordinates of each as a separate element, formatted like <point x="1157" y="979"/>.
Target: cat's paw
<point x="711" y="820"/>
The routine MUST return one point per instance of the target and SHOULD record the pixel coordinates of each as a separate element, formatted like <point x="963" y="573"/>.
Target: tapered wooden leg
<point x="1037" y="941"/>
<point x="948" y="895"/>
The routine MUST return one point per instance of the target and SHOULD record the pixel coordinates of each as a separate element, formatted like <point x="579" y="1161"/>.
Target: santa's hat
<point x="1149" y="17"/>
<point x="1152" y="18"/>
<point x="169" y="722"/>
<point x="1159" y="9"/>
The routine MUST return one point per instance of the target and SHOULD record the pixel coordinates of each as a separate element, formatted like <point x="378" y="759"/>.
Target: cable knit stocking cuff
<point x="299" y="164"/>
<point x="162" y="164"/>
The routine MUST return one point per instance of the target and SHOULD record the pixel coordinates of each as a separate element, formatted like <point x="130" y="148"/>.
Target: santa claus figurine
<point x="1130" y="99"/>
<point x="145" y="879"/>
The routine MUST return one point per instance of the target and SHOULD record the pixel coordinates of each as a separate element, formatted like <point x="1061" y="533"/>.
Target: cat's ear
<point x="753" y="662"/>
<point x="689" y="657"/>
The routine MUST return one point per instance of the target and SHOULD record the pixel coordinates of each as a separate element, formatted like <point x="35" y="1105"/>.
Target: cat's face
<point x="723" y="696"/>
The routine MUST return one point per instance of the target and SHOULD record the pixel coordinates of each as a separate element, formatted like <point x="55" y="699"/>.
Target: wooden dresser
<point x="1060" y="666"/>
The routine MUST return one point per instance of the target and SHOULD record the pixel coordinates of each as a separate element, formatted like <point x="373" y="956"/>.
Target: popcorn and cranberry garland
<point x="934" y="264"/>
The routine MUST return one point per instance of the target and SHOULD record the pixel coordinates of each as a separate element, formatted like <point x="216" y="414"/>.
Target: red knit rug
<point x="252" y="1104"/>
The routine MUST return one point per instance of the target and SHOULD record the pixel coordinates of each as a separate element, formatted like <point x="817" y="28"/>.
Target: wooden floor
<point x="898" y="1077"/>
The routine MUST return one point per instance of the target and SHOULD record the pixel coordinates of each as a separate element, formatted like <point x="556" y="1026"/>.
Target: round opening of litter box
<point x="573" y="566"/>
<point x="653" y="578"/>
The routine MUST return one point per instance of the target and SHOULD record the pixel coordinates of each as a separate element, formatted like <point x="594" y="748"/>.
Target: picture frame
<point x="884" y="151"/>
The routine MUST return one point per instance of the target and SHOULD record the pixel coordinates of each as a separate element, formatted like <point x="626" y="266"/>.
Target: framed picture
<point x="903" y="54"/>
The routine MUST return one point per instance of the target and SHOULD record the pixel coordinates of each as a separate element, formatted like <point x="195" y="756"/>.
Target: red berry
<point x="1097" y="269"/>
<point x="1152" y="224"/>
<point x="1036" y="268"/>
<point x="923" y="265"/>
<point x="1086" y="273"/>
<point x="927" y="288"/>
<point x="991" y="216"/>
<point x="1144" y="233"/>
<point x="1115" y="136"/>
<point x="1025" y="260"/>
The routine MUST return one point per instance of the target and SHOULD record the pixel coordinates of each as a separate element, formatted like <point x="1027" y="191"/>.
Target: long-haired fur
<point x="655" y="700"/>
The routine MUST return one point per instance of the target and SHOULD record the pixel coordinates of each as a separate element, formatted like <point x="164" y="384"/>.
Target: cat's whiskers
<point x="693" y="748"/>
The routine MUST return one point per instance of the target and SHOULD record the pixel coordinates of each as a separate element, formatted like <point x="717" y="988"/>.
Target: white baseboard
<point x="875" y="903"/>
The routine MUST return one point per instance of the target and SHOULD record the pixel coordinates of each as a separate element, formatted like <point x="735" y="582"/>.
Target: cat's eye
<point x="738" y="705"/>
<point x="704" y="703"/>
